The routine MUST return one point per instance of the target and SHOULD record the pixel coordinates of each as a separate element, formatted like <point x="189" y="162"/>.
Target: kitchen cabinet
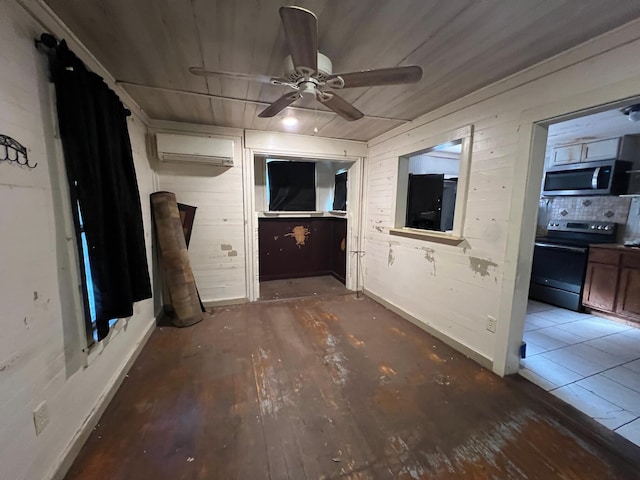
<point x="566" y="154"/>
<point x="600" y="150"/>
<point x="612" y="282"/>
<point x="626" y="148"/>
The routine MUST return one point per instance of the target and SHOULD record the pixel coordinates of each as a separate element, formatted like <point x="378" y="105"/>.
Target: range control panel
<point x="581" y="226"/>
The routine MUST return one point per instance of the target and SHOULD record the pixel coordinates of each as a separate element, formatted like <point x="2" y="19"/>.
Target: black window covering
<point x="101" y="174"/>
<point x="340" y="192"/>
<point x="292" y="186"/>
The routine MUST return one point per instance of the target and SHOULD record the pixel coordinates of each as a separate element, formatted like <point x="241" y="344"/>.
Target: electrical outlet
<point x="491" y="323"/>
<point x="41" y="417"/>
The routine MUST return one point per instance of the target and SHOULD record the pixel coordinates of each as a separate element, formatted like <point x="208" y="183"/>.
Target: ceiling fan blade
<point x="201" y="72"/>
<point x="301" y="31"/>
<point x="372" y="78"/>
<point x="340" y="106"/>
<point x="280" y="104"/>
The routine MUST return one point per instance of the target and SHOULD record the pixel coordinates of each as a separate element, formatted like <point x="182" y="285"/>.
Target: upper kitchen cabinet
<point x="566" y="154"/>
<point x="621" y="148"/>
<point x="600" y="150"/>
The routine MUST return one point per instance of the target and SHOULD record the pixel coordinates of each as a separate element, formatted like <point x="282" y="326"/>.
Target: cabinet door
<point x="600" y="287"/>
<point x="566" y="154"/>
<point x="628" y="302"/>
<point x="601" y="150"/>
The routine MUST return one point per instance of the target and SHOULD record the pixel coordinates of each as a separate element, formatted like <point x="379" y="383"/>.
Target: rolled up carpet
<point x="174" y="260"/>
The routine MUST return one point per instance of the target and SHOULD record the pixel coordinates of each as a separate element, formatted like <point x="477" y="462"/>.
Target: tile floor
<point x="587" y="361"/>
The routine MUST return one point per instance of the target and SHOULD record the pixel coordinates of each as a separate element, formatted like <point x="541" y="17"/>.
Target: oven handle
<point x="595" y="178"/>
<point x="562" y="247"/>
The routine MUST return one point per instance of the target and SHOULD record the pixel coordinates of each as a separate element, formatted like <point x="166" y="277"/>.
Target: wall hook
<point x="12" y="151"/>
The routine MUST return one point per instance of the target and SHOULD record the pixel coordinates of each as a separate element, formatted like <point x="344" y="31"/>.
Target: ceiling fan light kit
<point x="289" y="121"/>
<point x="310" y="73"/>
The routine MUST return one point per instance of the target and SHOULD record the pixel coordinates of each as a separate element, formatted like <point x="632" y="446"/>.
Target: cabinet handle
<point x="561" y="247"/>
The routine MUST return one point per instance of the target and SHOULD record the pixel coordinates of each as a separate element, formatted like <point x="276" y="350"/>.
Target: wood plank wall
<point x="42" y="345"/>
<point x="217" y="248"/>
<point x="454" y="288"/>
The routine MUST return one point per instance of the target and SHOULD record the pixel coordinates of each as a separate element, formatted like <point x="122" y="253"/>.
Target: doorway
<point x="304" y="211"/>
<point x="579" y="350"/>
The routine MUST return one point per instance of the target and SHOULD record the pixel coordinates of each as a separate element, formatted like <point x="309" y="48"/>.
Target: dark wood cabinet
<point x="302" y="247"/>
<point x="612" y="283"/>
<point x="628" y="301"/>
<point x="600" y="286"/>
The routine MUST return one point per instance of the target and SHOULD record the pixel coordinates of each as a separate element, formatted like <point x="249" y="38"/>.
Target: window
<point x="87" y="280"/>
<point x="292" y="186"/>
<point x="340" y="191"/>
<point x="431" y="193"/>
<point x="105" y="201"/>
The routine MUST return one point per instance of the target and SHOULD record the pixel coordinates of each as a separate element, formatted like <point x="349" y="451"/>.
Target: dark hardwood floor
<point x="334" y="388"/>
<point x="301" y="287"/>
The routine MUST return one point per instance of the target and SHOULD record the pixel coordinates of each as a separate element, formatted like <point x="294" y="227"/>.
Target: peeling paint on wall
<point x="233" y="253"/>
<point x="392" y="257"/>
<point x="481" y="266"/>
<point x="35" y="296"/>
<point x="300" y="234"/>
<point x="429" y="257"/>
<point x="226" y="246"/>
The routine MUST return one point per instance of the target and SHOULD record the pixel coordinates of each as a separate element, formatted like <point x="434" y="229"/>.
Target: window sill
<point x="289" y="214"/>
<point x="94" y="350"/>
<point x="427" y="235"/>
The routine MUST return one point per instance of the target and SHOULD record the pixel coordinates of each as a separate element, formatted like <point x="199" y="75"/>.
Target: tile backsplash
<point x="623" y="211"/>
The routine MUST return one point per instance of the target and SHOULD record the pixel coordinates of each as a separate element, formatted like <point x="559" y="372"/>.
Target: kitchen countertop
<point x="613" y="246"/>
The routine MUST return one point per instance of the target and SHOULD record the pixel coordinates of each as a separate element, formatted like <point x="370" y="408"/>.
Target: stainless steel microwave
<point x="607" y="177"/>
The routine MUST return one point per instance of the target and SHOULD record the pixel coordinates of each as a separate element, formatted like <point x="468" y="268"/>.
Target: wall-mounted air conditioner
<point x="194" y="149"/>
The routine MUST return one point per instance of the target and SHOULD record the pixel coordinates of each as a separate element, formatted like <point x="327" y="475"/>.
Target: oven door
<point x="557" y="274"/>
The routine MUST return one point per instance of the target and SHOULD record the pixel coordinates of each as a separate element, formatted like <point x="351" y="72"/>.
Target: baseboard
<point x="472" y="354"/>
<point x="226" y="302"/>
<point x="77" y="442"/>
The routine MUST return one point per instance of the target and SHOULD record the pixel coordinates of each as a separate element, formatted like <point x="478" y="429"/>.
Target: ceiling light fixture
<point x="633" y="111"/>
<point x="289" y="121"/>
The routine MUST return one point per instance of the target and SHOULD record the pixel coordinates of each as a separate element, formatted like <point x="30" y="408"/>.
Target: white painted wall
<point x="217" y="247"/>
<point x="438" y="284"/>
<point x="42" y="341"/>
<point x="425" y="164"/>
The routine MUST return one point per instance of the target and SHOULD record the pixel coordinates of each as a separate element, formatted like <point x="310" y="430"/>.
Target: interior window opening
<point x="432" y="187"/>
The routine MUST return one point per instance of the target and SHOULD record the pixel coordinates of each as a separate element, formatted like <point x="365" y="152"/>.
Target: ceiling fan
<point x="309" y="73"/>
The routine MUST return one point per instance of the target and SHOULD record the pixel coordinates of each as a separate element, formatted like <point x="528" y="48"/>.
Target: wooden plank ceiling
<point x="462" y="46"/>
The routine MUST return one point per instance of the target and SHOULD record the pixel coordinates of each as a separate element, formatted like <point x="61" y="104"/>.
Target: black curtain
<point x="340" y="192"/>
<point x="292" y="186"/>
<point x="101" y="175"/>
